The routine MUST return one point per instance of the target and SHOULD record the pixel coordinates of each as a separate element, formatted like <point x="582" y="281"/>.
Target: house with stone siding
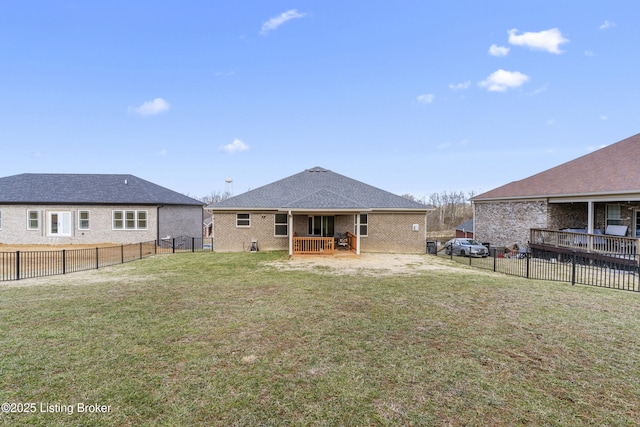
<point x="588" y="194"/>
<point x="92" y="209"/>
<point x="319" y="211"/>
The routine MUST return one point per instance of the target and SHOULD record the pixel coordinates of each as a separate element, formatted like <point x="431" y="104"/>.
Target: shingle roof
<point x="466" y="226"/>
<point x="318" y="188"/>
<point x="609" y="170"/>
<point x="87" y="189"/>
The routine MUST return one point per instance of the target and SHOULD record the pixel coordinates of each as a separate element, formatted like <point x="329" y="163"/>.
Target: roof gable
<point x="609" y="170"/>
<point x="318" y="188"/>
<point x="87" y="189"/>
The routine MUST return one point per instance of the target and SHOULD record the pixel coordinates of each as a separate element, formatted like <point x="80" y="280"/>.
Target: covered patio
<point x="326" y="233"/>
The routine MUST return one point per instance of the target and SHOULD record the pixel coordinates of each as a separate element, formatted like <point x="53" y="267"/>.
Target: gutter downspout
<point x="158" y="223"/>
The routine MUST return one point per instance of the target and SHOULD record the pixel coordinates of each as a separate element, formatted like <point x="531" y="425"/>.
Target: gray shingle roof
<point x="318" y="188"/>
<point x="609" y="170"/>
<point x="87" y="189"/>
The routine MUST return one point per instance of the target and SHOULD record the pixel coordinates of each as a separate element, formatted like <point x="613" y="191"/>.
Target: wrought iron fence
<point x="615" y="271"/>
<point x="30" y="264"/>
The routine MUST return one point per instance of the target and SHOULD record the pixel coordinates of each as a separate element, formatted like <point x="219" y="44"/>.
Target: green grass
<point x="226" y="339"/>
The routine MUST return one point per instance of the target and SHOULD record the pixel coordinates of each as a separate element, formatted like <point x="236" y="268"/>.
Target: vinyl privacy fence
<point x="30" y="264"/>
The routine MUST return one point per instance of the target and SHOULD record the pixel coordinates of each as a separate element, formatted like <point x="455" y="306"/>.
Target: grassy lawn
<point x="227" y="339"/>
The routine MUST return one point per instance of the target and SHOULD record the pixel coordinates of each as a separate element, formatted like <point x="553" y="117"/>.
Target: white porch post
<point x="590" y="224"/>
<point x="290" y="230"/>
<point x="358" y="234"/>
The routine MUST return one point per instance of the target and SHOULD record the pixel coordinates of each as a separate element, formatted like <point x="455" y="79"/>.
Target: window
<point x="59" y="224"/>
<point x="83" y="220"/>
<point x="364" y="224"/>
<point x="243" y="220"/>
<point x="321" y="225"/>
<point x="281" y="225"/>
<point x="613" y="215"/>
<point x="129" y="220"/>
<point x="118" y="223"/>
<point x="33" y="220"/>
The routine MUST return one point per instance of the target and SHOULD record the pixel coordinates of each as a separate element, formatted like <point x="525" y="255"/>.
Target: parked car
<point x="466" y="247"/>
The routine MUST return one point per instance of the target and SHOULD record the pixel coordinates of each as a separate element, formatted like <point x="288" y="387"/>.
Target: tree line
<point x="452" y="208"/>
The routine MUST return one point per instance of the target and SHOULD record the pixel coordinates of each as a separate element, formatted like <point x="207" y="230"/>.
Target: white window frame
<point x="285" y="224"/>
<point x="36" y="219"/>
<point x="613" y="220"/>
<point x="82" y="220"/>
<point x="63" y="226"/>
<point x="364" y="224"/>
<point x="129" y="219"/>
<point x="243" y="219"/>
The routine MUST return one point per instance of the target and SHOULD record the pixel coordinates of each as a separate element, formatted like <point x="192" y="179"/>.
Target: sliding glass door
<point x="321" y="225"/>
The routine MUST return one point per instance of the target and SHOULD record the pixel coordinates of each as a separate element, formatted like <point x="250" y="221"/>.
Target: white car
<point x="466" y="247"/>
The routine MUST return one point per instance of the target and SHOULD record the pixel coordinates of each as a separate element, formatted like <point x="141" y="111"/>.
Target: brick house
<point x="588" y="195"/>
<point x="317" y="211"/>
<point x="92" y="208"/>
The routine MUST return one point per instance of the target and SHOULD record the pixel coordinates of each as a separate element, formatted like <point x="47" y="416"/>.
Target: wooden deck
<point x="310" y="245"/>
<point x="622" y="249"/>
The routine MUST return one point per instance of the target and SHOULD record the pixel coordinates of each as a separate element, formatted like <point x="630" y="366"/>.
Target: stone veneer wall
<point x="505" y="223"/>
<point x="567" y="215"/>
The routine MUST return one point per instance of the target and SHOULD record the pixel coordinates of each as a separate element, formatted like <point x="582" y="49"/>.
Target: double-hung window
<point x="243" y="220"/>
<point x="129" y="220"/>
<point x="364" y="224"/>
<point x="614" y="215"/>
<point x="33" y="220"/>
<point x="83" y="220"/>
<point x="281" y="225"/>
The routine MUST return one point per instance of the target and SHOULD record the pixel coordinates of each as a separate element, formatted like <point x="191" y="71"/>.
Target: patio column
<point x="358" y="234"/>
<point x="590" y="223"/>
<point x="290" y="230"/>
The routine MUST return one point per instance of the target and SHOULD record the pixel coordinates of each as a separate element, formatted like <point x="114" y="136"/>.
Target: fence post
<point x="573" y="269"/>
<point x="173" y="245"/>
<point x="155" y="247"/>
<point x="193" y="244"/>
<point x="528" y="258"/>
<point x="140" y="250"/>
<point x="17" y="265"/>
<point x="121" y="254"/>
<point x="97" y="259"/>
<point x="64" y="261"/>
<point x="495" y="257"/>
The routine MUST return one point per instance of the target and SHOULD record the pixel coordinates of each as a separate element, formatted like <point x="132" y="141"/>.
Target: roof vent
<point x="318" y="169"/>
<point x="126" y="181"/>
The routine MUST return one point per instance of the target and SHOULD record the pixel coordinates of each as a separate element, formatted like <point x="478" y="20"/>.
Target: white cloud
<point x="236" y="145"/>
<point x="427" y="98"/>
<point x="607" y="24"/>
<point x="501" y="80"/>
<point x="496" y="50"/>
<point x="604" y="117"/>
<point x="275" y="22"/>
<point x="547" y="40"/>
<point x="460" y="86"/>
<point x="150" y="108"/>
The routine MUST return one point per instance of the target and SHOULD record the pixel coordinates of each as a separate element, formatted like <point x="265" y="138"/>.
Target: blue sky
<point x="411" y="96"/>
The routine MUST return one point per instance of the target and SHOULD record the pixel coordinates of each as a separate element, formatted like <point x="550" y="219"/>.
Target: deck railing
<point x="313" y="245"/>
<point x="598" y="243"/>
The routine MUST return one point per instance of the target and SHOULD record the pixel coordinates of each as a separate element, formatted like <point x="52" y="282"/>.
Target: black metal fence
<point x="615" y="271"/>
<point x="30" y="264"/>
